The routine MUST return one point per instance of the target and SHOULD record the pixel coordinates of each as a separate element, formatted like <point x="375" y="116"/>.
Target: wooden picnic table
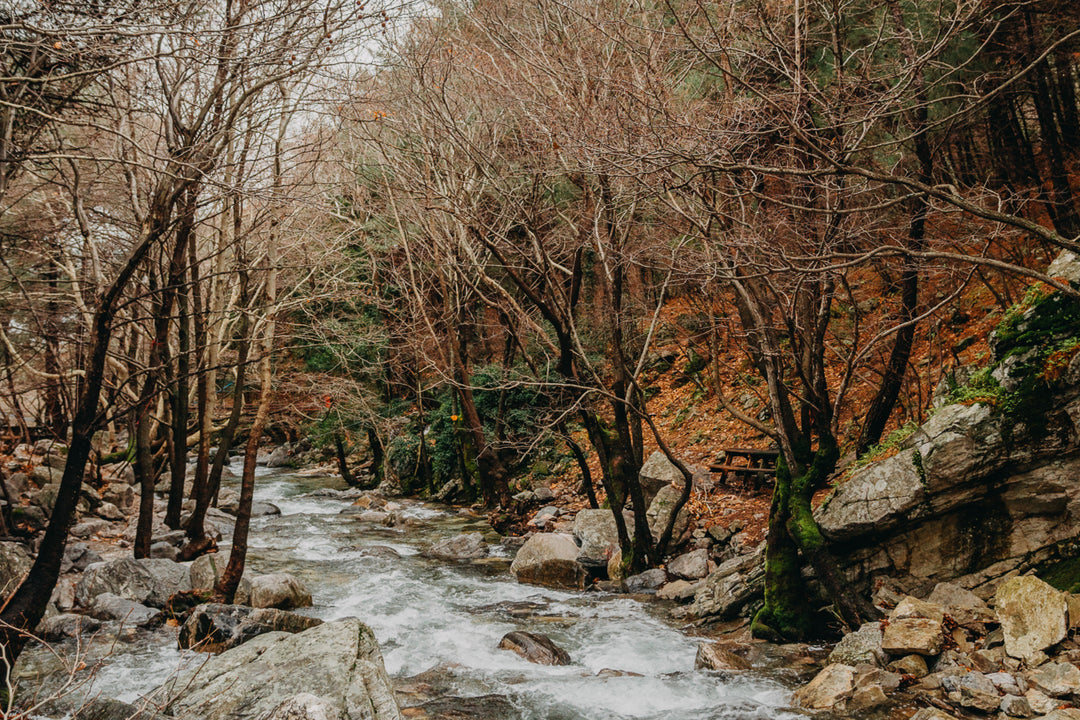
<point x="754" y="464"/>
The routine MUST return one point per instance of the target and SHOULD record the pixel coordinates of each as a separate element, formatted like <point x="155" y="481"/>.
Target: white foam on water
<point x="428" y="613"/>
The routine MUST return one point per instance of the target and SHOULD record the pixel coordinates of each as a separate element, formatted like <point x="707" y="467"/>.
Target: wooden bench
<point x="759" y="465"/>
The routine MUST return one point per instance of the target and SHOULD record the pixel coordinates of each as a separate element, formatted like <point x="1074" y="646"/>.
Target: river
<point x="627" y="661"/>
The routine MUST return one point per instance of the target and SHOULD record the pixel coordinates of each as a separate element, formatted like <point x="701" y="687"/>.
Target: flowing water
<point x="626" y="661"/>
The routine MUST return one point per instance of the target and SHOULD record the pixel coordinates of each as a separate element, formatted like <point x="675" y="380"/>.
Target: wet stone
<point x="535" y="648"/>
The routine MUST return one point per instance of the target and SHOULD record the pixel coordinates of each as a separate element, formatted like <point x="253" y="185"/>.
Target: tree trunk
<point x="197" y="542"/>
<point x="342" y="462"/>
<point x="25" y="608"/>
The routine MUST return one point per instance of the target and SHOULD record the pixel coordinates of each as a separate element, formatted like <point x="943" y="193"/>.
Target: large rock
<point x="278" y="590"/>
<point x="467" y="546"/>
<point x="599" y="538"/>
<point x="549" y="559"/>
<point x="101" y="708"/>
<point x="963" y="606"/>
<point x="66" y="625"/>
<point x="108" y="606"/>
<point x="15" y="562"/>
<point x="874" y="498"/>
<point x="338" y="662"/>
<point x="715" y="656"/>
<point x="149" y="581"/>
<point x="535" y="648"/>
<point x="730" y="587"/>
<point x="648" y="581"/>
<point x="660" y="510"/>
<point x="905" y="636"/>
<point x="207" y="570"/>
<point x="214" y="628"/>
<point x="278" y="458"/>
<point x="304" y="706"/>
<point x="1056" y="679"/>
<point x="862" y="647"/>
<point x="658" y="472"/>
<point x="693" y="565"/>
<point x="1032" y="614"/>
<point x="1066" y="266"/>
<point x="911" y="607"/>
<point x="830" y="689"/>
<point x="120" y="494"/>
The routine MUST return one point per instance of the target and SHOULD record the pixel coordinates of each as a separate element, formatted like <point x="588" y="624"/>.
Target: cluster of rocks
<point x="1012" y="658"/>
<point x="138" y="593"/>
<point x="568" y="549"/>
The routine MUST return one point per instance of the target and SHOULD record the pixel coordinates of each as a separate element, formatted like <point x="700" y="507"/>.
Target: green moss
<point x="1063" y="575"/>
<point x="892" y="442"/>
<point x="1034" y="343"/>
<point x="917" y="461"/>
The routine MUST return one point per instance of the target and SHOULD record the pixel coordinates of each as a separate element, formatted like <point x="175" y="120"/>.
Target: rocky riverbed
<point x="439" y="624"/>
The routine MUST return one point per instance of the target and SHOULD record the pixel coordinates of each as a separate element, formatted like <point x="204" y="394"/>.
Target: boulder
<point x="467" y="546"/>
<point x="1033" y="616"/>
<point x="337" y="661"/>
<point x="15" y="562"/>
<point x="911" y="607"/>
<point x="872" y="688"/>
<point x="1063" y="714"/>
<point x="660" y="510"/>
<point x="63" y="595"/>
<point x="30" y="515"/>
<point x="913" y="665"/>
<point x="163" y="549"/>
<point x="1039" y="702"/>
<point x="148" y="581"/>
<point x="830" y="689"/>
<point x="978" y="693"/>
<point x="101" y="708"/>
<point x="304" y="706"/>
<point x="108" y="511"/>
<point x="905" y="636"/>
<point x="46" y="497"/>
<point x="535" y="648"/>
<point x="44" y="475"/>
<point x="66" y="625"/>
<point x="658" y="472"/>
<point x="963" y="606"/>
<point x="595" y="530"/>
<point x="207" y="570"/>
<point x="873" y="498"/>
<point x="108" y="606"/>
<point x="549" y="559"/>
<point x="714" y="656"/>
<point x="16" y="484"/>
<point x="215" y="628"/>
<point x="1017" y="707"/>
<point x="120" y="494"/>
<point x="690" y="566"/>
<point x="646" y="582"/>
<point x="1066" y="266"/>
<point x="278" y="590"/>
<point x="679" y="591"/>
<point x="1056" y="679"/>
<point x="261" y="508"/>
<point x="278" y="458"/>
<point x="862" y="647"/>
<point x="90" y="527"/>
<point x="729" y="588"/>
